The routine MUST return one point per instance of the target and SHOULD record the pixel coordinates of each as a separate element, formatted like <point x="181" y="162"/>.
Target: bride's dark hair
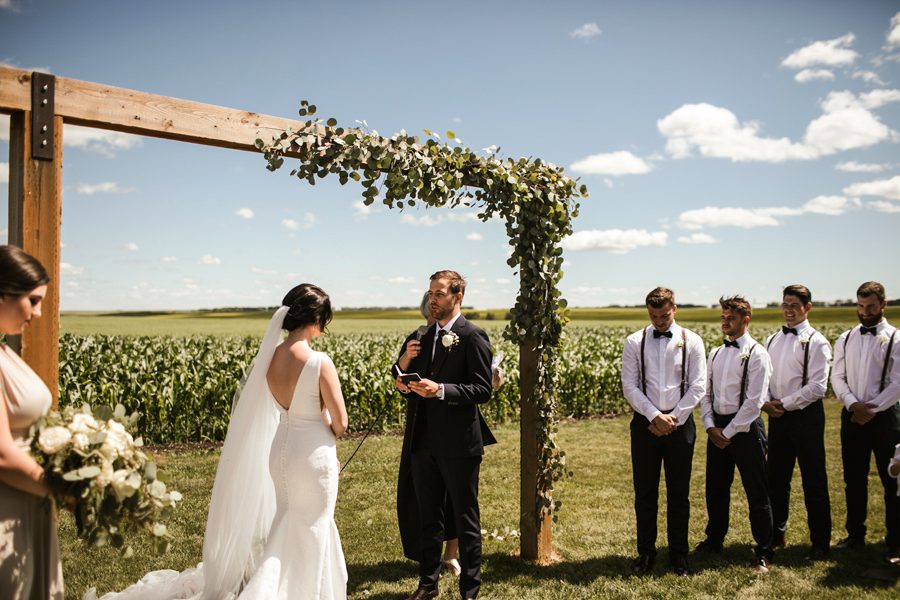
<point x="308" y="305"/>
<point x="19" y="272"/>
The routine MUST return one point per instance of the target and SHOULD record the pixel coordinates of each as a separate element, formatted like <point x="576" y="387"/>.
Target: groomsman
<point x="738" y="386"/>
<point x="866" y="378"/>
<point x="800" y="356"/>
<point x="663" y="378"/>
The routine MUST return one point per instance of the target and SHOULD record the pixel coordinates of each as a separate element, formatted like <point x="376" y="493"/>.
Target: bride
<point x="270" y="532"/>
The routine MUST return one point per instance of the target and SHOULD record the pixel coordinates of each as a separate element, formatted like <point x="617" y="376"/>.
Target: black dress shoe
<point x="679" y="565"/>
<point x="423" y="594"/>
<point x="892" y="556"/>
<point x="643" y="564"/>
<point x="760" y="565"/>
<point x="778" y="539"/>
<point x="817" y="553"/>
<point x="850" y="542"/>
<point x="708" y="547"/>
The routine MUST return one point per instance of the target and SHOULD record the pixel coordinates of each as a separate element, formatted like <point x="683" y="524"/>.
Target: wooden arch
<point x="35" y="101"/>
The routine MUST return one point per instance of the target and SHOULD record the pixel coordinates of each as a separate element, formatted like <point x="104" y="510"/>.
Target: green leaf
<point x="331" y="122"/>
<point x="450" y="134"/>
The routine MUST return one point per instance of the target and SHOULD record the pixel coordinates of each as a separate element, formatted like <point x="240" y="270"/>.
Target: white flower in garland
<point x="449" y="340"/>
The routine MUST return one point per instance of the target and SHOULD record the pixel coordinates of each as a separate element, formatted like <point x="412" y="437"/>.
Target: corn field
<point x="183" y="387"/>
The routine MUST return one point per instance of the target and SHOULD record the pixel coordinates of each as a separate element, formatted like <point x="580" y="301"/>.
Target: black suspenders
<point x="683" y="361"/>
<point x="712" y="362"/>
<point x="887" y="356"/>
<point x="805" y="354"/>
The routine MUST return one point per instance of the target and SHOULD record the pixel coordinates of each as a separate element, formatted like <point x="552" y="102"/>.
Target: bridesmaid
<point x="29" y="552"/>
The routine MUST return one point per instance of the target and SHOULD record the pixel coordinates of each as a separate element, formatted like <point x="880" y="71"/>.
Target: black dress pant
<point x="858" y="442"/>
<point x="648" y="454"/>
<point x="747" y="451"/>
<point x="798" y="436"/>
<point x="433" y="477"/>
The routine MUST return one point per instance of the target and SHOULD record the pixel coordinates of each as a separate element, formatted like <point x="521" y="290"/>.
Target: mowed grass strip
<point x="594" y="538"/>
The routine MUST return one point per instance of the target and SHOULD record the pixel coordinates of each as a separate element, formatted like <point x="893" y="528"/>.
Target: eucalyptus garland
<point x="535" y="198"/>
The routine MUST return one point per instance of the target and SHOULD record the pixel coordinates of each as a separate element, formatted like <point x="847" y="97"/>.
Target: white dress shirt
<point x="437" y="328"/>
<point x="787" y="352"/>
<point x="726" y="367"/>
<point x="662" y="363"/>
<point x="856" y="376"/>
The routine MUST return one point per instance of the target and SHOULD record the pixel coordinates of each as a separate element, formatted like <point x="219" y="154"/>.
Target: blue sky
<point x="729" y="147"/>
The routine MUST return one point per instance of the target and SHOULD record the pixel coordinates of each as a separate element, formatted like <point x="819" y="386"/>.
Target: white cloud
<point x="106" y="187"/>
<point x="868" y="76"/>
<point x="474" y="237"/>
<point x="209" y="259"/>
<point x="852" y="166"/>
<point x="814" y="74"/>
<point x="98" y="140"/>
<point x="886" y="188"/>
<point x="698" y="238"/>
<point x="131" y="247"/>
<point x="832" y="206"/>
<point x="586" y="31"/>
<point x="716" y="132"/>
<point x="613" y="163"/>
<point x="402" y="279"/>
<point x="169" y="259"/>
<point x="617" y="241"/>
<point x="8" y="5"/>
<point x="714" y="216"/>
<point x="893" y="36"/>
<point x="309" y="220"/>
<point x="749" y="218"/>
<point x="503" y="281"/>
<point x="70" y="269"/>
<point x="4" y="172"/>
<point x="833" y="53"/>
<point x="361" y="211"/>
<point x="884" y="206"/>
<point x="846" y="123"/>
<point x="266" y="272"/>
<point x="245" y="213"/>
<point x="427" y="220"/>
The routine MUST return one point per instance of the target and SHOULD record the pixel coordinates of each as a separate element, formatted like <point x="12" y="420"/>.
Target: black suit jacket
<point x="453" y="426"/>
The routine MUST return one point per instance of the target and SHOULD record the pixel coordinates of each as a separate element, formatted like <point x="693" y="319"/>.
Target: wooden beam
<point x="140" y="113"/>
<point x="35" y="194"/>
<point x="536" y="543"/>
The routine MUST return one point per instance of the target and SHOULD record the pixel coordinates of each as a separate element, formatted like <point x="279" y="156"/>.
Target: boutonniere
<point x="804" y="340"/>
<point x="744" y="356"/>
<point x="883" y="337"/>
<point x="449" y="340"/>
<point x="679" y="343"/>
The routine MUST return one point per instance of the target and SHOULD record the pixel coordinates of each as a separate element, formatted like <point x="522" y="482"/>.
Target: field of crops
<point x="183" y="386"/>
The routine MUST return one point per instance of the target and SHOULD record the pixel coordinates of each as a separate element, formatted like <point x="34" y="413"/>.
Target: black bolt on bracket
<point x="42" y="107"/>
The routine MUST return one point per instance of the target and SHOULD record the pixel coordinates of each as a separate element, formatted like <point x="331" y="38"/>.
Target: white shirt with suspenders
<point x="663" y="375"/>
<point x="799" y="366"/>
<point x="738" y="384"/>
<point x="867" y="367"/>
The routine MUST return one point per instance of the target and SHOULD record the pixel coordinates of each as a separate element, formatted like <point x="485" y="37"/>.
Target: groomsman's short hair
<point x="871" y="288"/>
<point x="659" y="297"/>
<point x="736" y="304"/>
<point x="801" y="292"/>
<point x="456" y="281"/>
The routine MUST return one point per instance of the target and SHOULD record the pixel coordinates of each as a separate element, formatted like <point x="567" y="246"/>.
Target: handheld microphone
<point x="420" y="332"/>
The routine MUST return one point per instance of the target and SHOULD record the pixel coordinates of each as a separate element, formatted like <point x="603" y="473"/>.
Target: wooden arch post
<point x="35" y="212"/>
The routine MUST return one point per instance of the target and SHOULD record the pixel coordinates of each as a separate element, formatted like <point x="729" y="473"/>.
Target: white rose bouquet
<point x="93" y="464"/>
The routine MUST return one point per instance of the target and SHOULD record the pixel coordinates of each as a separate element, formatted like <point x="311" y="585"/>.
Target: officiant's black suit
<point x="447" y="439"/>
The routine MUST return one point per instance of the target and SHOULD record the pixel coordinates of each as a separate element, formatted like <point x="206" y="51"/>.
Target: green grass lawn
<point x="595" y="535"/>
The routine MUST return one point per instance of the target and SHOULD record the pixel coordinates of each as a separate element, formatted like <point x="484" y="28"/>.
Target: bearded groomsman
<point x="738" y="386"/>
<point x="800" y="357"/>
<point x="663" y="378"/>
<point x="866" y="378"/>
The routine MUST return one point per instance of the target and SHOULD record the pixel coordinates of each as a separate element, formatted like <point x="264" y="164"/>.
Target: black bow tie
<point x="786" y="330"/>
<point x="863" y="330"/>
<point x="730" y="344"/>
<point x="659" y="334"/>
<point x="441" y="334"/>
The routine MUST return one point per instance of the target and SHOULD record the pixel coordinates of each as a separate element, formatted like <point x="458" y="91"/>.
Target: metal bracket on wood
<point x="42" y="109"/>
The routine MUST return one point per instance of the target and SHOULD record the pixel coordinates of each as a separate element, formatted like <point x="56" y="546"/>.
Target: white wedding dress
<point x="270" y="532"/>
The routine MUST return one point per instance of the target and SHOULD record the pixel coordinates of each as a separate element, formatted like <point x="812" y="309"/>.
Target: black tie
<point x="659" y="334"/>
<point x="863" y="330"/>
<point x="786" y="330"/>
<point x="730" y="344"/>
